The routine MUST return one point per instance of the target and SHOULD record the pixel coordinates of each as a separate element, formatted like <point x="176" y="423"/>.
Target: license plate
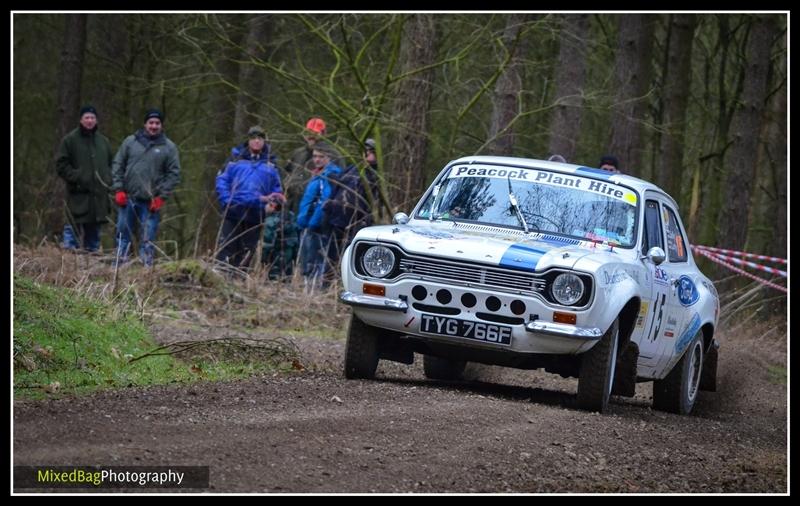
<point x="486" y="332"/>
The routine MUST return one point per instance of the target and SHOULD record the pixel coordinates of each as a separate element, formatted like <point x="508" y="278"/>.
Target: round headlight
<point x="378" y="261"/>
<point x="567" y="288"/>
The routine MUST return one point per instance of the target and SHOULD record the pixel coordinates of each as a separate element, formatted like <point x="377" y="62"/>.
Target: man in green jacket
<point x="84" y="162"/>
<point x="145" y="172"/>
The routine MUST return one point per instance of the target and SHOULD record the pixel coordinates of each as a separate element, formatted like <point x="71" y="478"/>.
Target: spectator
<point x="279" y="248"/>
<point x="350" y="207"/>
<point x="236" y="154"/>
<point x="243" y="187"/>
<point x="145" y="171"/>
<point x="84" y="163"/>
<point x="312" y="219"/>
<point x="610" y="164"/>
<point x="300" y="166"/>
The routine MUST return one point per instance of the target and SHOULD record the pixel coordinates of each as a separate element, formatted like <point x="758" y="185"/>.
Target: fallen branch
<point x="267" y="347"/>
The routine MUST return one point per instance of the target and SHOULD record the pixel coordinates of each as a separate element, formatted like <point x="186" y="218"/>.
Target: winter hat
<point x="316" y="125"/>
<point x="153" y="113"/>
<point x="609" y="160"/>
<point x="369" y="145"/>
<point x="256" y="131"/>
<point x="558" y="158"/>
<point x="87" y="108"/>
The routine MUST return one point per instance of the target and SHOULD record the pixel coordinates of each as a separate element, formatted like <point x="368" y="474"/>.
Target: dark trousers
<point x="82" y="236"/>
<point x="238" y="242"/>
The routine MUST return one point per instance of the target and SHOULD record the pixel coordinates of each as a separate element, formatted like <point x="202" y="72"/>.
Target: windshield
<point x="551" y="202"/>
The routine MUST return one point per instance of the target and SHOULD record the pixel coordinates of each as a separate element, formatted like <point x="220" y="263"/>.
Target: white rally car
<point x="535" y="264"/>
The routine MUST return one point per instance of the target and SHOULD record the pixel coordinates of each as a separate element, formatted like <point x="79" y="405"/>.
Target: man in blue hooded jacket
<point x="243" y="187"/>
<point x="312" y="219"/>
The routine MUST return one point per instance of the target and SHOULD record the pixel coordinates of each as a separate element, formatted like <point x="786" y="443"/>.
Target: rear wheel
<point x="442" y="368"/>
<point x="597" y="371"/>
<point x="361" y="350"/>
<point x="677" y="392"/>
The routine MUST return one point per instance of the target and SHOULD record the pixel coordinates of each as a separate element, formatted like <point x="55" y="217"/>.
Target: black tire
<point x="677" y="392"/>
<point x="442" y="368"/>
<point x="361" y="350"/>
<point x="597" y="371"/>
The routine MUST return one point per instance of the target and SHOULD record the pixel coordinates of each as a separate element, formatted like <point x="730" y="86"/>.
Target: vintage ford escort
<point x="535" y="264"/>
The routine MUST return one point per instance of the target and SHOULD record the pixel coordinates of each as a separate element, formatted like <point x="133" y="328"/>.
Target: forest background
<point x="696" y="103"/>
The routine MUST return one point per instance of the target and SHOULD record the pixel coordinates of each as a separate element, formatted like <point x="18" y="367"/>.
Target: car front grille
<point x="474" y="275"/>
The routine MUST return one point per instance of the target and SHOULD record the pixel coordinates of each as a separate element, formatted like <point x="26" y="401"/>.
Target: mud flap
<point x="708" y="378"/>
<point x="625" y="374"/>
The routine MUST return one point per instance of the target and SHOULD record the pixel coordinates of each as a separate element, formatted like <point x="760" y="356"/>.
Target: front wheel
<point x="677" y="392"/>
<point x="597" y="371"/>
<point x="361" y="350"/>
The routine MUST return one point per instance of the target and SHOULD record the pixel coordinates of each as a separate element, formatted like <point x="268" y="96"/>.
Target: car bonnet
<point x="535" y="252"/>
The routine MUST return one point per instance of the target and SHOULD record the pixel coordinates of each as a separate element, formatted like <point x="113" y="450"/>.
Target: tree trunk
<point x="505" y="100"/>
<point x="223" y="114"/>
<point x="410" y="112"/>
<point x="565" y="125"/>
<point x="69" y="100"/>
<point x="69" y="85"/>
<point x="712" y="169"/>
<point x="677" y="79"/>
<point x="777" y="136"/>
<point x="251" y="77"/>
<point x="745" y="128"/>
<point x="632" y="71"/>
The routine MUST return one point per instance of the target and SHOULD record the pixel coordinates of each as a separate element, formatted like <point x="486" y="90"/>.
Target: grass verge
<point x="65" y="343"/>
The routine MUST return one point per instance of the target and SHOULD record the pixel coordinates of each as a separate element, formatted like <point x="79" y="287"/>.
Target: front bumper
<point x="373" y="301"/>
<point x="561" y="329"/>
<point x="535" y="336"/>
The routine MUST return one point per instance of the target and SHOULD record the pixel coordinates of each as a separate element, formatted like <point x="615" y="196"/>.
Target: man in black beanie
<point x="153" y="113"/>
<point x="84" y="163"/>
<point x="145" y="172"/>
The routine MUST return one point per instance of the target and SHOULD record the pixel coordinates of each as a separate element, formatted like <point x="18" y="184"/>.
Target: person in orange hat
<point x="298" y="169"/>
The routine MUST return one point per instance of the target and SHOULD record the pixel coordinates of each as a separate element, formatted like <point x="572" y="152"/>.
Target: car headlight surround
<point x="378" y="261"/>
<point x="567" y="288"/>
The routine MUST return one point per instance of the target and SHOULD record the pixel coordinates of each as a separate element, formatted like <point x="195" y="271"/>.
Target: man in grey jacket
<point x="145" y="172"/>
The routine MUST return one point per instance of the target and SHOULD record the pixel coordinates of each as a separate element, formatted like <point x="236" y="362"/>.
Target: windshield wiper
<point x="513" y="199"/>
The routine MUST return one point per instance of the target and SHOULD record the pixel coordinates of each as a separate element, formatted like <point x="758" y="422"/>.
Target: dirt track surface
<point x="503" y="431"/>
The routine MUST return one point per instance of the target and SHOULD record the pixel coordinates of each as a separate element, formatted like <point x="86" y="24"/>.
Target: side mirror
<point x="400" y="218"/>
<point x="656" y="255"/>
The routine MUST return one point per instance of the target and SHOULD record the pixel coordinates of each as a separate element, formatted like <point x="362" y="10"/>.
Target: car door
<point x="683" y="292"/>
<point x="651" y="314"/>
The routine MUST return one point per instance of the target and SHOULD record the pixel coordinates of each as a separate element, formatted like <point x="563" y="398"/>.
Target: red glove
<point x="156" y="204"/>
<point x="121" y="198"/>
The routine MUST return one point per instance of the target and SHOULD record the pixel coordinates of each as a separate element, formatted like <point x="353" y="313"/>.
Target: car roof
<point x="567" y="168"/>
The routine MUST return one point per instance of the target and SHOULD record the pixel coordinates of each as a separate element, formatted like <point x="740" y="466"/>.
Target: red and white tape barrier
<point x="763" y="258"/>
<point x="751" y="264"/>
<point x="711" y="256"/>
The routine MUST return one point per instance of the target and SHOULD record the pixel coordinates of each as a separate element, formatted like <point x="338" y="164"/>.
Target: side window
<point x="676" y="245"/>
<point x="652" y="227"/>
